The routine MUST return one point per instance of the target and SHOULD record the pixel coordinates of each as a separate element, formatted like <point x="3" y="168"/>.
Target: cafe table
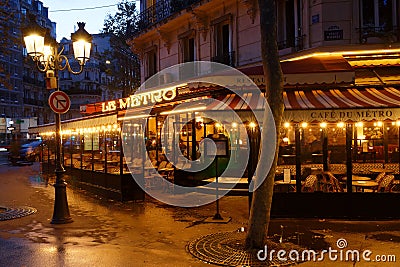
<point x="364" y="184"/>
<point x="358" y="178"/>
<point x="283" y="186"/>
<point x="378" y="170"/>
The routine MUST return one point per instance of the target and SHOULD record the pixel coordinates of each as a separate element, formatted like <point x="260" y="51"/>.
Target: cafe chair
<point x="168" y="174"/>
<point x="333" y="183"/>
<point x="76" y="163"/>
<point x="309" y="183"/>
<point x="380" y="176"/>
<point x="386" y="184"/>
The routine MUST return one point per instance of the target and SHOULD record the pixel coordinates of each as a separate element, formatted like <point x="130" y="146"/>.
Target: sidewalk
<point x="109" y="233"/>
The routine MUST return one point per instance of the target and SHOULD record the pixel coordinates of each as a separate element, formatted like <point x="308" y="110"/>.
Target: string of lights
<point x="80" y="9"/>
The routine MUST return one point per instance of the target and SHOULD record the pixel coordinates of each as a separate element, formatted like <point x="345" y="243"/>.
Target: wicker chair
<point x="386" y="184"/>
<point x="309" y="183"/>
<point x="380" y="177"/>
<point x="333" y="182"/>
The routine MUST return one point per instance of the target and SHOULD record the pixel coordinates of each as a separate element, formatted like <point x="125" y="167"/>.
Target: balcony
<point x="388" y="34"/>
<point x="77" y="91"/>
<point x="33" y="81"/>
<point x="227" y="58"/>
<point x="33" y="102"/>
<point x="160" y="11"/>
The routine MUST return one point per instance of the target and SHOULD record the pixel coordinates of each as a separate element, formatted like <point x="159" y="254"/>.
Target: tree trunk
<point x="262" y="198"/>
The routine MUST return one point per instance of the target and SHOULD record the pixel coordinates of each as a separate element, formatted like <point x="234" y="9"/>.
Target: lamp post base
<point x="61" y="211"/>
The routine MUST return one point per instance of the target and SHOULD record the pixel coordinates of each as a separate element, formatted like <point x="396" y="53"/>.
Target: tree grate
<point x="227" y="249"/>
<point x="7" y="213"/>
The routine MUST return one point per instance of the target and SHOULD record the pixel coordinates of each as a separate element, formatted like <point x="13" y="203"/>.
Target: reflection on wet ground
<point x="149" y="233"/>
<point x="39" y="180"/>
<point x="385" y="237"/>
<point x="301" y="237"/>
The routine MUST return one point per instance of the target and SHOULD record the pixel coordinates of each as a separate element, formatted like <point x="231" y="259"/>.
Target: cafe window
<point x="368" y="141"/>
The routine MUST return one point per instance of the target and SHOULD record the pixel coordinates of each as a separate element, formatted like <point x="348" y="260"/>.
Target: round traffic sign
<point x="59" y="102"/>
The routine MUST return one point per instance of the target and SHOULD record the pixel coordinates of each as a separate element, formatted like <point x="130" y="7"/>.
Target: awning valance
<point x="81" y="123"/>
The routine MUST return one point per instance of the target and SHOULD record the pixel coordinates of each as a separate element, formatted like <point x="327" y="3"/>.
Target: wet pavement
<point x="149" y="233"/>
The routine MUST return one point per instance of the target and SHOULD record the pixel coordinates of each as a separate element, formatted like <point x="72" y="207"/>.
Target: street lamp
<point x="44" y="51"/>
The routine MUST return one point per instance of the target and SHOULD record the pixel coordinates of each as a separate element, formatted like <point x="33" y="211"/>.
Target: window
<point x="377" y="14"/>
<point x="188" y="52"/>
<point x="151" y="63"/>
<point x="223" y="42"/>
<point x="289" y="19"/>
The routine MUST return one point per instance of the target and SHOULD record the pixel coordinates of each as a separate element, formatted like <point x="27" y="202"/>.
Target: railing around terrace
<point x="160" y="11"/>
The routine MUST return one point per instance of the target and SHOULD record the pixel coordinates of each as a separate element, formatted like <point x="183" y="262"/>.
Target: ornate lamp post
<point x="44" y="51"/>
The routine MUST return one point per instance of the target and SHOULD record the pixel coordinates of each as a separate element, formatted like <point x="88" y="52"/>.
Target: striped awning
<point x="248" y="101"/>
<point x="342" y="98"/>
<point x="317" y="99"/>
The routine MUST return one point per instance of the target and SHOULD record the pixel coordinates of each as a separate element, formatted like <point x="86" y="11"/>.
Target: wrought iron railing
<point x="297" y="43"/>
<point x="31" y="80"/>
<point x="76" y="91"/>
<point x="33" y="102"/>
<point x="386" y="33"/>
<point x="160" y="11"/>
<point x="227" y="58"/>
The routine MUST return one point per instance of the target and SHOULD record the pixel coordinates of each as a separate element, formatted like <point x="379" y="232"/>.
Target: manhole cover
<point x="227" y="249"/>
<point x="7" y="213"/>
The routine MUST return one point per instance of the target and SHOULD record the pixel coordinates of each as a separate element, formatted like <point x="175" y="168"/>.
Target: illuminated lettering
<point x="138" y="100"/>
<point x="172" y="96"/>
<point x="124" y="103"/>
<point x="108" y="106"/>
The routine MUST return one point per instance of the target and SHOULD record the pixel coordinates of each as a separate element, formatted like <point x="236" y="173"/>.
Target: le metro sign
<point x="141" y="99"/>
<point x="59" y="102"/>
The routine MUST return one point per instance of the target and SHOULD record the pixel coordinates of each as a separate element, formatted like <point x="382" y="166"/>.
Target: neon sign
<point x="141" y="99"/>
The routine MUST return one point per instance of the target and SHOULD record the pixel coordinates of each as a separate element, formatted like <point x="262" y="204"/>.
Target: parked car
<point x="29" y="152"/>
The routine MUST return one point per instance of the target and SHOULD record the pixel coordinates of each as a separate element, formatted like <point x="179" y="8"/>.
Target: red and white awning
<point x="316" y="99"/>
<point x="342" y="98"/>
<point x="249" y="101"/>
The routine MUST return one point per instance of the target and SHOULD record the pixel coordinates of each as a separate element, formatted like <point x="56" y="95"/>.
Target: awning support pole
<point x="325" y="150"/>
<point x="298" y="157"/>
<point x="349" y="160"/>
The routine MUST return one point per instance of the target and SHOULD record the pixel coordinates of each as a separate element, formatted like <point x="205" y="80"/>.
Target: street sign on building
<point x="59" y="102"/>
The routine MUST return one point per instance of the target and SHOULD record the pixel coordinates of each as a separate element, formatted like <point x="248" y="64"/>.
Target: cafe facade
<point x="343" y="128"/>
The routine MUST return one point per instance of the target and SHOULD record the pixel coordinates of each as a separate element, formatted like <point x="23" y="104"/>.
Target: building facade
<point x="23" y="96"/>
<point x="172" y="32"/>
<point x="340" y="137"/>
<point x="106" y="76"/>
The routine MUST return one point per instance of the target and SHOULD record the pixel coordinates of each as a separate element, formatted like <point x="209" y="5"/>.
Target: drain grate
<point x="227" y="249"/>
<point x="7" y="213"/>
